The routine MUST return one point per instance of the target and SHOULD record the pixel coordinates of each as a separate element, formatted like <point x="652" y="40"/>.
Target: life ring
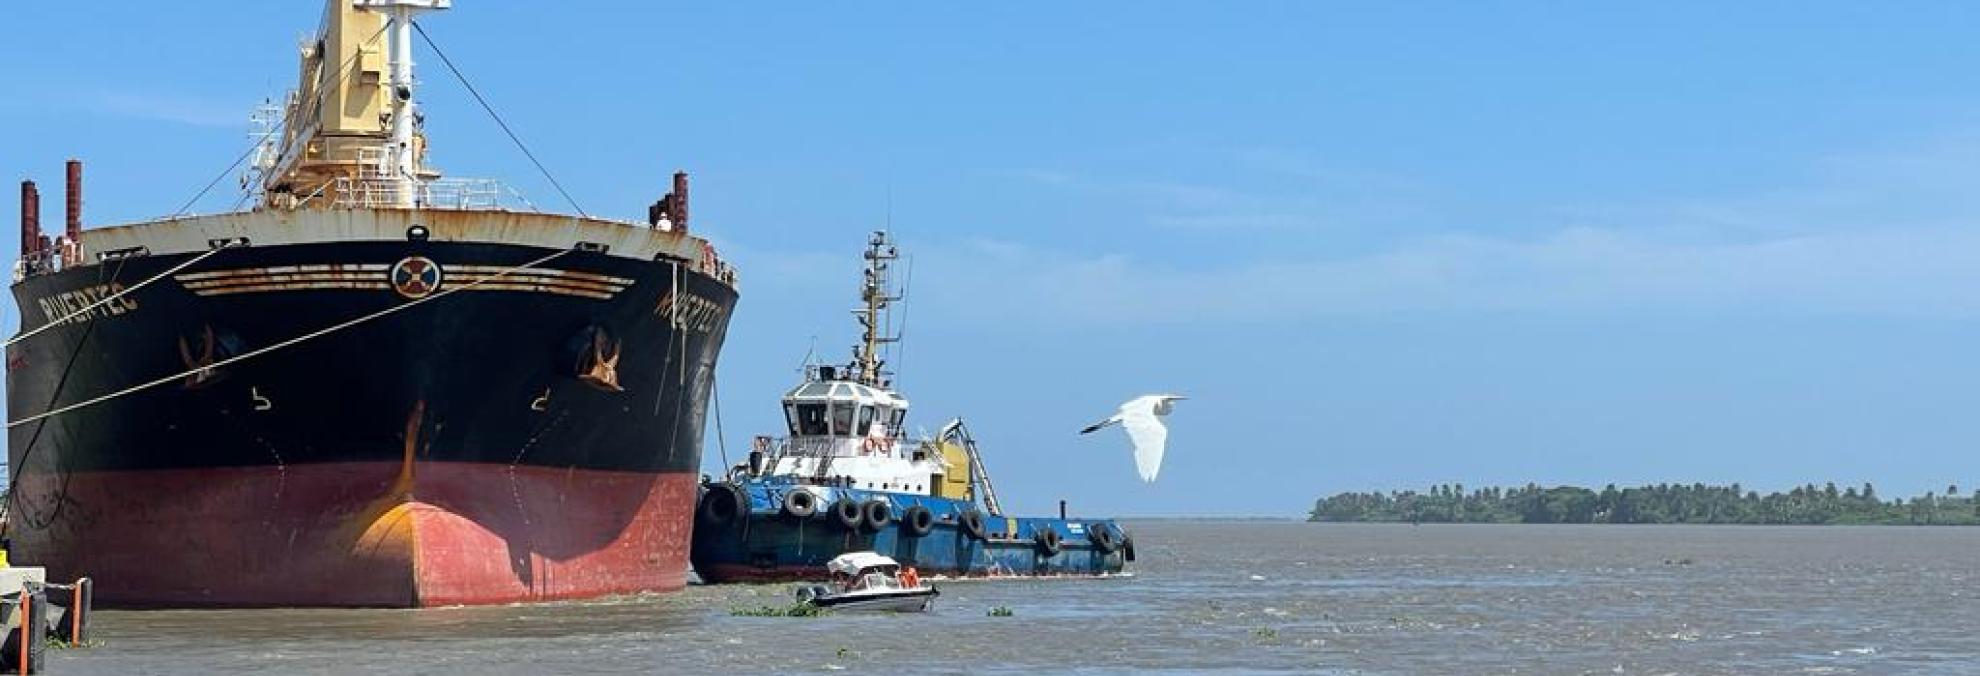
<point x="1047" y="541"/>
<point x="723" y="505"/>
<point x="1102" y="537"/>
<point x="847" y="513"/>
<point x="800" y="504"/>
<point x="917" y="521"/>
<point x="878" y="515"/>
<point x="971" y="524"/>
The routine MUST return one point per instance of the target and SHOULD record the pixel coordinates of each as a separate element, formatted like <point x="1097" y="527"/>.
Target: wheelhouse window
<point x="882" y="415"/>
<point x="865" y="421"/>
<point x="810" y="419"/>
<point x="842" y="418"/>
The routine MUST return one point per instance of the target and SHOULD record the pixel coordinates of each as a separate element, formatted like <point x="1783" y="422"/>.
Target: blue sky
<point x="1380" y="245"/>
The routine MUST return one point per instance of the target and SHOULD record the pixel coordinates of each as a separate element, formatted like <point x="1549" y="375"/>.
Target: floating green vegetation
<point x="60" y="644"/>
<point x="1001" y="611"/>
<point x="795" y="610"/>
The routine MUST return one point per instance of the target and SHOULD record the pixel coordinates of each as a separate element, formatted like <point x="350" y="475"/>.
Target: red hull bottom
<point x="357" y="534"/>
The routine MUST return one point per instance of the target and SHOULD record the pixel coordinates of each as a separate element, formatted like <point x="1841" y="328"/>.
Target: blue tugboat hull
<point x="766" y="542"/>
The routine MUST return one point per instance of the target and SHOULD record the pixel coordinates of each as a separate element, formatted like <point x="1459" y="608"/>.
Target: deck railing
<point x="443" y="193"/>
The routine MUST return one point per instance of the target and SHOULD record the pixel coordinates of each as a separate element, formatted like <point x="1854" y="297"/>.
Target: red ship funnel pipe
<point x="75" y="201"/>
<point x="680" y="201"/>
<point x="30" y="219"/>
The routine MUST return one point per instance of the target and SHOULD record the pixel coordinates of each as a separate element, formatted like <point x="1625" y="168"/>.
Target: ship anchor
<point x="603" y="369"/>
<point x="203" y="373"/>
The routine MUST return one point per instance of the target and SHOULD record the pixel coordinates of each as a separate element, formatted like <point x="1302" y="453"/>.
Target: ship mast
<point x="876" y="294"/>
<point x="350" y="133"/>
<point x="399" y="161"/>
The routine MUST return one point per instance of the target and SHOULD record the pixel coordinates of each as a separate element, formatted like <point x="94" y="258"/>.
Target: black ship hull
<point x="504" y="434"/>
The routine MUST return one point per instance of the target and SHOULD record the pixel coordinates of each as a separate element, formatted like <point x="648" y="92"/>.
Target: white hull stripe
<point x="538" y="272"/>
<point x="377" y="277"/>
<point x="379" y="268"/>
<point x="527" y="279"/>
<point x="539" y="288"/>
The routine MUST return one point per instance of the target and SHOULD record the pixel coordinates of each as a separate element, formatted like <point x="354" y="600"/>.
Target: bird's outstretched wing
<point x="1150" y="439"/>
<point x="1095" y="427"/>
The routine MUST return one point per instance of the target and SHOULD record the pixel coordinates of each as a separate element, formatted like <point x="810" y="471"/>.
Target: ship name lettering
<point x="70" y="302"/>
<point x="695" y="313"/>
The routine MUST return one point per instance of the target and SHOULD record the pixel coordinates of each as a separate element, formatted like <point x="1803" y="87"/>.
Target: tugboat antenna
<point x="899" y="354"/>
<point x="874" y="292"/>
<point x="804" y="364"/>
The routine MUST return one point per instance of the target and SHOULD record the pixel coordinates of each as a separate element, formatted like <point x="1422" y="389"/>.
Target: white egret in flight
<point x="1142" y="418"/>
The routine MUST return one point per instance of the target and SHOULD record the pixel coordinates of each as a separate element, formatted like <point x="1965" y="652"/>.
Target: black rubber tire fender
<point x="723" y="505"/>
<point x="800" y="504"/>
<point x="971" y="525"/>
<point x="847" y="514"/>
<point x="917" y="521"/>
<point x="1047" y="541"/>
<point x="1102" y="536"/>
<point x="878" y="515"/>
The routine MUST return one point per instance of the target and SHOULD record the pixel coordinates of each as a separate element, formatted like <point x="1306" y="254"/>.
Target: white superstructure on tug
<point x="846" y="423"/>
<point x="845" y="433"/>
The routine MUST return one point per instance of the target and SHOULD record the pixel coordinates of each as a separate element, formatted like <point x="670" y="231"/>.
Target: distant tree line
<point x="1662" y="503"/>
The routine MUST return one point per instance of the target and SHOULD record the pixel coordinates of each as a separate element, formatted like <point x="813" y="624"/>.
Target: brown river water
<point x="1211" y="597"/>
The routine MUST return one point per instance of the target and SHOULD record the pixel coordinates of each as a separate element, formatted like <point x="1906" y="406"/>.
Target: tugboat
<point x="846" y="480"/>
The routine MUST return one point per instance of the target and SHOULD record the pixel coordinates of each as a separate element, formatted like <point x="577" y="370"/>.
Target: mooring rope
<point x="286" y="343"/>
<point x="458" y="75"/>
<point x="115" y="296"/>
<point x="716" y="395"/>
<point x="15" y="465"/>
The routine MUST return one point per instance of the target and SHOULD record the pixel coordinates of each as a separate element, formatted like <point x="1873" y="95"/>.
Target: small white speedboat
<point x="869" y="581"/>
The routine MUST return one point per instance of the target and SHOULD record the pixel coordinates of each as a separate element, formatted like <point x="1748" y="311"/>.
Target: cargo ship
<point x="373" y="386"/>
<point x="845" y="479"/>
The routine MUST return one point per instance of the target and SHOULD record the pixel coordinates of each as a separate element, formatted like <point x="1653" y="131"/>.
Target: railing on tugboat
<point x="774" y="450"/>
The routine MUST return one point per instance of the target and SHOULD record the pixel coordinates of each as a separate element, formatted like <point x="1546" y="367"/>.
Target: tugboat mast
<point x="876" y="293"/>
